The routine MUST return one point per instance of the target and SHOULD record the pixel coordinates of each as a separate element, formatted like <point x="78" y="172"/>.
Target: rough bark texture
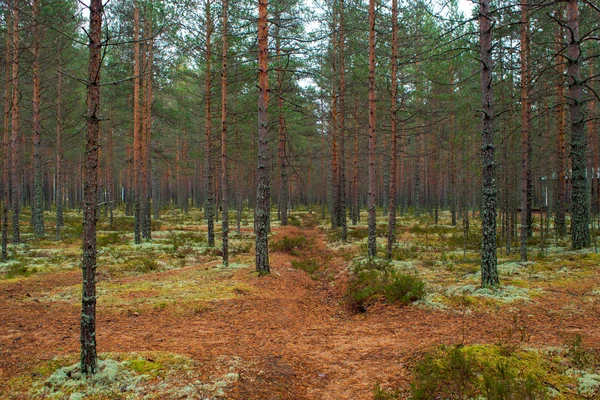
<point x="209" y="212"/>
<point x="38" y="197"/>
<point x="89" y="364"/>
<point x="355" y="177"/>
<point x="224" y="186"/>
<point x="561" y="189"/>
<point x="372" y="244"/>
<point x="137" y="141"/>
<point x="335" y="158"/>
<point x="580" y="231"/>
<point x="525" y="130"/>
<point x="14" y="140"/>
<point x="261" y="223"/>
<point x="59" y="152"/>
<point x="149" y="99"/>
<point x="283" y="174"/>
<point x="489" y="261"/>
<point x="342" y="130"/>
<point x="5" y="140"/>
<point x="394" y="122"/>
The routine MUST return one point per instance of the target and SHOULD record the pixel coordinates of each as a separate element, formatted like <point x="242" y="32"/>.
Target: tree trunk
<point x="224" y="185"/>
<point x="149" y="99"/>
<point x="525" y="131"/>
<point x="489" y="270"/>
<point x="372" y="239"/>
<point x="283" y="174"/>
<point x="561" y="198"/>
<point x="263" y="186"/>
<point x="342" y="130"/>
<point x="59" y="150"/>
<point x="394" y="139"/>
<point x="14" y="145"/>
<point x="137" y="141"/>
<point x="209" y="202"/>
<point x="355" y="202"/>
<point x="580" y="231"/>
<point x="38" y="198"/>
<point x="89" y="363"/>
<point x="335" y="159"/>
<point x="5" y="150"/>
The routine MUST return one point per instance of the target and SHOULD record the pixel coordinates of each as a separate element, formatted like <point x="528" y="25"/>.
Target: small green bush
<point x="458" y="372"/>
<point x="290" y="245"/>
<point x="378" y="279"/>
<point x="104" y="240"/>
<point x="293" y="220"/>
<point x="147" y="265"/>
<point x="309" y="266"/>
<point x="577" y="354"/>
<point x="19" y="269"/>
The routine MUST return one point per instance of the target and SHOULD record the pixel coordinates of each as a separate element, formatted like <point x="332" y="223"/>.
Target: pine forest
<point x="318" y="199"/>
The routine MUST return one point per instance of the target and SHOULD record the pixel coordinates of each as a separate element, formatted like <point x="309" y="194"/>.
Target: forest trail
<point x="290" y="337"/>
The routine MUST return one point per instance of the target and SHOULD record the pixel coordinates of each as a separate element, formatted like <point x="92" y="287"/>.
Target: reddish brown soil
<point x="295" y="336"/>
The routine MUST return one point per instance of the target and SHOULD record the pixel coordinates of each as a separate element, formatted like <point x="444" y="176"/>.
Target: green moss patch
<point x="151" y="375"/>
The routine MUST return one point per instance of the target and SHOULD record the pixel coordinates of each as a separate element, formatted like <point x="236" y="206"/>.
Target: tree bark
<point x="394" y="139"/>
<point x="137" y="141"/>
<point x="580" y="231"/>
<point x="38" y="198"/>
<point x="283" y="174"/>
<point x="489" y="261"/>
<point x="6" y="163"/>
<point x="224" y="177"/>
<point x="148" y="100"/>
<point x="525" y="131"/>
<point x="89" y="363"/>
<point x="209" y="202"/>
<point x="14" y="146"/>
<point x="372" y="238"/>
<point x="561" y="198"/>
<point x="342" y="129"/>
<point x="263" y="186"/>
<point x="59" y="149"/>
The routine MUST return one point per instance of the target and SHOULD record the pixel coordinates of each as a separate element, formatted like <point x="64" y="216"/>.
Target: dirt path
<point x="293" y="334"/>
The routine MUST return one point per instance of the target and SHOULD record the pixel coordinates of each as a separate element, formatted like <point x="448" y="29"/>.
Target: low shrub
<point x="458" y="372"/>
<point x="309" y="266"/>
<point x="293" y="220"/>
<point x="375" y="280"/>
<point x="289" y="244"/>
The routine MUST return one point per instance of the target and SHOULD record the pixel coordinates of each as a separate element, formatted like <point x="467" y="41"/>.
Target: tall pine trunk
<point x="224" y="177"/>
<point x="283" y="173"/>
<point x="38" y="197"/>
<point x="525" y="131"/>
<point x="342" y="129"/>
<point x="580" y="230"/>
<point x="59" y="150"/>
<point x="89" y="364"/>
<point x="137" y="141"/>
<point x="372" y="239"/>
<point x="561" y="189"/>
<point x="14" y="141"/>
<point x="5" y="140"/>
<point x="394" y="139"/>
<point x="209" y="202"/>
<point x="261" y="223"/>
<point x="489" y="261"/>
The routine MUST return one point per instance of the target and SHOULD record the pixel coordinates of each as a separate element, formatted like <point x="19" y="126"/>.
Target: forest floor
<point x="176" y="324"/>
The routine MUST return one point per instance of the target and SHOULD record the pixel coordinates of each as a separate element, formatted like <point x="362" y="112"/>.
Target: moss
<point x="152" y="375"/>
<point x="485" y="372"/>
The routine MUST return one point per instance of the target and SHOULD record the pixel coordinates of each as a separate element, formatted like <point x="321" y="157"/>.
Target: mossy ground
<point x="173" y="294"/>
<point x="148" y="375"/>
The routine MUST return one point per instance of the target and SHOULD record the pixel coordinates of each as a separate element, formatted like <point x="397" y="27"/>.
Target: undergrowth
<point x="373" y="280"/>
